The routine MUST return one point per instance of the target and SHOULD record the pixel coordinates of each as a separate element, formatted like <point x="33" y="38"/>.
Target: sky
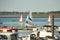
<point x="30" y="5"/>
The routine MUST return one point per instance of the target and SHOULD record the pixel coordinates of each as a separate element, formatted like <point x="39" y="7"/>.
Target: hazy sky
<point x="30" y="5"/>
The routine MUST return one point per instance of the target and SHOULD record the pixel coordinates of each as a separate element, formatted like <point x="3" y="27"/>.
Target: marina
<point x="29" y="19"/>
<point x="30" y="28"/>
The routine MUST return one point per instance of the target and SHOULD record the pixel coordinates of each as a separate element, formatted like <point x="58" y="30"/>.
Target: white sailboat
<point x="20" y="20"/>
<point x="28" y="21"/>
<point x="49" y="20"/>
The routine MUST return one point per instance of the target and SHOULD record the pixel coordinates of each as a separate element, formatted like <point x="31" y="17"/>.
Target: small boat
<point x="49" y="19"/>
<point x="28" y="22"/>
<point x="6" y="33"/>
<point x="20" y="20"/>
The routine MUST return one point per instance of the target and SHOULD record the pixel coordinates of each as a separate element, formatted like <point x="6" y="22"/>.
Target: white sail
<point x="49" y="20"/>
<point x="28" y="21"/>
<point x="20" y="20"/>
<point x="30" y="15"/>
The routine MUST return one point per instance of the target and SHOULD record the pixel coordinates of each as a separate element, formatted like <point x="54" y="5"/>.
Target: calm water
<point x="38" y="21"/>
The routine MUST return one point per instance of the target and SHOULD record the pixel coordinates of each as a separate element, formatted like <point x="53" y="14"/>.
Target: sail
<point x="20" y="20"/>
<point x="28" y="21"/>
<point x="30" y="16"/>
<point x="49" y="19"/>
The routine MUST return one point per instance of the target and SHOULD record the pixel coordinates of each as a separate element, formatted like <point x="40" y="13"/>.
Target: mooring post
<point x="52" y="26"/>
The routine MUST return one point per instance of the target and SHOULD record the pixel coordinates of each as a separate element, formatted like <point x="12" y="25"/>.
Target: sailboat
<point x="28" y="21"/>
<point x="20" y="20"/>
<point x="49" y="20"/>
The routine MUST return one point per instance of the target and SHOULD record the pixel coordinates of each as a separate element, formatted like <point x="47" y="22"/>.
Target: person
<point x="37" y="38"/>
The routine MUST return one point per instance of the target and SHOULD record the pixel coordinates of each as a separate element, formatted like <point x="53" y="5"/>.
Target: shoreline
<point x="43" y="15"/>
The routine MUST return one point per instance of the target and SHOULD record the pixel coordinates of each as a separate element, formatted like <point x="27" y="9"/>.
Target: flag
<point x="20" y="20"/>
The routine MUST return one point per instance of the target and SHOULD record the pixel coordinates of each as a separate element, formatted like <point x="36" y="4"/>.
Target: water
<point x="37" y="21"/>
<point x="23" y="33"/>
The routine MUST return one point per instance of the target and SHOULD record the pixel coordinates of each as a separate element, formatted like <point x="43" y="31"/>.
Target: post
<point x="52" y="26"/>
